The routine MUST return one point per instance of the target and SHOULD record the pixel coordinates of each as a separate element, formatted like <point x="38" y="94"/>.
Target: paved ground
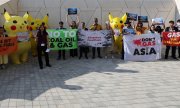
<point x="99" y="83"/>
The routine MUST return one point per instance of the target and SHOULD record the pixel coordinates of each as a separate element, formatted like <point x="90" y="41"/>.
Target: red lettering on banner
<point x="94" y="38"/>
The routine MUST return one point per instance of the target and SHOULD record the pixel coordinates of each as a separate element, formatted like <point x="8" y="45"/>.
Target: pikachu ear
<point x="46" y="18"/>
<point x="27" y="16"/>
<point x="124" y="18"/>
<point x="6" y="15"/>
<point x="110" y="17"/>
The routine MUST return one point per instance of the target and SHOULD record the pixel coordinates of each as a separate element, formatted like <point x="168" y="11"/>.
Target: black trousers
<point x="41" y="49"/>
<point x="122" y="53"/>
<point x="173" y="51"/>
<point x="73" y="52"/>
<point x="94" y="51"/>
<point x="83" y="50"/>
<point x="61" y="53"/>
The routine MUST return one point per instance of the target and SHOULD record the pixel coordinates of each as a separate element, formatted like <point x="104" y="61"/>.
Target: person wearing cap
<point x="171" y="28"/>
<point x="140" y="29"/>
<point x="178" y="26"/>
<point x="127" y="30"/>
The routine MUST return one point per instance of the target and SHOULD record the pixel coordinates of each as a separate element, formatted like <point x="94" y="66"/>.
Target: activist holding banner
<point x="96" y="27"/>
<point x="83" y="49"/>
<point x="16" y="26"/>
<point x="117" y="25"/>
<point x="61" y="51"/>
<point x="42" y="46"/>
<point x="4" y="57"/>
<point x="127" y="30"/>
<point x="73" y="25"/>
<point x="171" y="28"/>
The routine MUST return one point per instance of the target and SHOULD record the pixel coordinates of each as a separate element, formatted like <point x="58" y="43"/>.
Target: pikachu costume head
<point x="16" y="26"/>
<point x="117" y="25"/>
<point x="116" y="22"/>
<point x="34" y="24"/>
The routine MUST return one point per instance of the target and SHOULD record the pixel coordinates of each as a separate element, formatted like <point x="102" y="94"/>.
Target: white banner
<point x="100" y="38"/>
<point x="146" y="47"/>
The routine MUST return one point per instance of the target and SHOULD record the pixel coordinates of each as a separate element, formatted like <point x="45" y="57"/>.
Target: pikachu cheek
<point x="13" y="27"/>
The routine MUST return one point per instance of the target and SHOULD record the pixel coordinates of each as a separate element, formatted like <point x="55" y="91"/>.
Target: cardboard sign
<point x="131" y="16"/>
<point x="72" y="11"/>
<point x="143" y="18"/>
<point x="158" y="20"/>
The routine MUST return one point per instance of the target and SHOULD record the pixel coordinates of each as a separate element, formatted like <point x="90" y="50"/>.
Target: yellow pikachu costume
<point x="17" y="26"/>
<point x="117" y="25"/>
<point x="33" y="25"/>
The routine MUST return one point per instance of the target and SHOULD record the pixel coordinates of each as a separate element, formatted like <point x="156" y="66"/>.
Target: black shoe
<point x="175" y="58"/>
<point x="41" y="67"/>
<point x="64" y="58"/>
<point x="166" y="57"/>
<point x="86" y="57"/>
<point x="93" y="57"/>
<point x="48" y="65"/>
<point x="80" y="57"/>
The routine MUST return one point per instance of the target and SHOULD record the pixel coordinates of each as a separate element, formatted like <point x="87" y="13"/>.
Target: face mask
<point x="178" y="24"/>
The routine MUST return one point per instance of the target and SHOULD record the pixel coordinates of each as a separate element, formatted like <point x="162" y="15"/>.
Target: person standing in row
<point x="73" y="25"/>
<point x="83" y="49"/>
<point x="140" y="29"/>
<point x="171" y="28"/>
<point x="3" y="58"/>
<point x="61" y="27"/>
<point x="42" y="46"/>
<point x="96" y="27"/>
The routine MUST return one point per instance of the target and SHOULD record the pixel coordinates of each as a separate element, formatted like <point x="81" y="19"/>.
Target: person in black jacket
<point x="171" y="28"/>
<point x="42" y="46"/>
<point x="61" y="51"/>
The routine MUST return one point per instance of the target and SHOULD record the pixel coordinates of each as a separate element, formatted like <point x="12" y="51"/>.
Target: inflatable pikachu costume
<point x="33" y="25"/>
<point x="16" y="26"/>
<point x="117" y="25"/>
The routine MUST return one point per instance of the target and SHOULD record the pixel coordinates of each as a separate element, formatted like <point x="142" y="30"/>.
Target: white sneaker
<point x="105" y="57"/>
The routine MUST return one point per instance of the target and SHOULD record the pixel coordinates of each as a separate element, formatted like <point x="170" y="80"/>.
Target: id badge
<point x="42" y="44"/>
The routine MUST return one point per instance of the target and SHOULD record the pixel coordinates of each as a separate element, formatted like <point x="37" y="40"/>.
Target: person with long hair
<point x="140" y="29"/>
<point x="42" y="46"/>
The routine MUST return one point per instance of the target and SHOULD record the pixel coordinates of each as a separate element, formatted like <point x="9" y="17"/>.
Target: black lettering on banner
<point x="144" y="51"/>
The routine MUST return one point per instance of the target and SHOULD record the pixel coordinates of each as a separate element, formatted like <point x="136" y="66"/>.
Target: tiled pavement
<point x="98" y="83"/>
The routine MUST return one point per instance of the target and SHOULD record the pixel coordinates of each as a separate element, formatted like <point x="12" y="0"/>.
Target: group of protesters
<point x="139" y="28"/>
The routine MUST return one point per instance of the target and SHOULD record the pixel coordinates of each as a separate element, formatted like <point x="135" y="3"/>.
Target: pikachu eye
<point x="14" y="21"/>
<point x="25" y="22"/>
<point x="32" y="23"/>
<point x="121" y="22"/>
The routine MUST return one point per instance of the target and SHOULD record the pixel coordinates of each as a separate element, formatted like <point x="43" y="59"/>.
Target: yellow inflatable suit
<point x="33" y="25"/>
<point x="17" y="26"/>
<point x="117" y="25"/>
